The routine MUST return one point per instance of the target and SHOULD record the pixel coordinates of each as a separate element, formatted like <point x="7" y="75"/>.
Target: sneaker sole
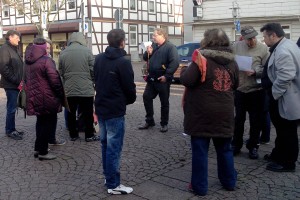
<point x="41" y="159"/>
<point x="60" y="144"/>
<point x="117" y="192"/>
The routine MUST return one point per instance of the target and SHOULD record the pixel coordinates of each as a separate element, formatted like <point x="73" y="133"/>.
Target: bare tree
<point x="41" y="13"/>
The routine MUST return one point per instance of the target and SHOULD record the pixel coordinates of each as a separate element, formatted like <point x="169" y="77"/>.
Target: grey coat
<point x="284" y="72"/>
<point x="76" y="67"/>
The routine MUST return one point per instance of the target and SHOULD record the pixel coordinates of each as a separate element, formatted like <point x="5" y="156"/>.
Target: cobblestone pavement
<point x="157" y="165"/>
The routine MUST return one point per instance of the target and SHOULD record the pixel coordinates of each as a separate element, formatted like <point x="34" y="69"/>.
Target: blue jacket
<point x="114" y="83"/>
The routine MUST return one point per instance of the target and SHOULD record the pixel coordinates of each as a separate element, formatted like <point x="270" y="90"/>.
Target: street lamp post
<point x="235" y="14"/>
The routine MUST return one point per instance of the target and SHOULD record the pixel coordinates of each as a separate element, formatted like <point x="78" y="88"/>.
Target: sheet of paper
<point x="144" y="45"/>
<point x="244" y="62"/>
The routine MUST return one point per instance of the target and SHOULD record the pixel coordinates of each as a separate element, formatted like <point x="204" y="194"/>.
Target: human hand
<point x="250" y="73"/>
<point x="149" y="50"/>
<point x="162" y="79"/>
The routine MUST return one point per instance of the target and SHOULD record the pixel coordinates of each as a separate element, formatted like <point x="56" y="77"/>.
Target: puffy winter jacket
<point x="43" y="84"/>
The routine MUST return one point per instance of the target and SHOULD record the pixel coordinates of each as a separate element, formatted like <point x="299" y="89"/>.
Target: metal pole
<point x="83" y="18"/>
<point x="119" y="19"/>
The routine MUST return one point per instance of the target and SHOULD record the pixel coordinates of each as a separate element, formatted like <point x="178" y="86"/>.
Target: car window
<point x="183" y="51"/>
<point x="187" y="49"/>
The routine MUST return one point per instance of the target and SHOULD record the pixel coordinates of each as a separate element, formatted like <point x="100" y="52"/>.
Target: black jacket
<point x="209" y="105"/>
<point x="114" y="82"/>
<point x="165" y="55"/>
<point x="11" y="66"/>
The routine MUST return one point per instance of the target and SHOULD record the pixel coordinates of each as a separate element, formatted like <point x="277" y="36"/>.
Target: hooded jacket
<point x="11" y="66"/>
<point x="44" y="88"/>
<point x="209" y="105"/>
<point x="76" y="67"/>
<point x="114" y="82"/>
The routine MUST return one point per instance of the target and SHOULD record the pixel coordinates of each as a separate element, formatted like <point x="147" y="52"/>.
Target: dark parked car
<point x="185" y="52"/>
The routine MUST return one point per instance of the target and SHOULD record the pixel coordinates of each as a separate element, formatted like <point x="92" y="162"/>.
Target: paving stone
<point x="157" y="165"/>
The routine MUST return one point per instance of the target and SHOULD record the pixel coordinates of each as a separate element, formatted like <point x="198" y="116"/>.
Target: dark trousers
<point x="45" y="126"/>
<point x="151" y="91"/>
<point x="86" y="107"/>
<point x="286" y="147"/>
<point x="253" y="103"/>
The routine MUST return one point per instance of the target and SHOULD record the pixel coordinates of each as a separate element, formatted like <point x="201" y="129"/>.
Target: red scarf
<point x="201" y="62"/>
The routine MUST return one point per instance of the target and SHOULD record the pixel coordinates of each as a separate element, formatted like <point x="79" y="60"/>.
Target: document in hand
<point x="244" y="62"/>
<point x="144" y="45"/>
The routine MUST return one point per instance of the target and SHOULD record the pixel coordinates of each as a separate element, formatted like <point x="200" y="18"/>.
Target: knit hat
<point x="248" y="32"/>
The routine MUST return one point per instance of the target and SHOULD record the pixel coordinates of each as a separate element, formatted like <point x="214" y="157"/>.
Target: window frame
<point x="3" y="11"/>
<point x="154" y="6"/>
<point x="56" y="7"/>
<point x="150" y="34"/>
<point x="130" y="32"/>
<point x="171" y="7"/>
<point x="68" y="4"/>
<point x="135" y="6"/>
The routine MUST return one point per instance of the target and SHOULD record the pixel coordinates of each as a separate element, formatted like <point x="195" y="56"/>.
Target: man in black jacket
<point x="163" y="60"/>
<point x="11" y="69"/>
<point x="115" y="88"/>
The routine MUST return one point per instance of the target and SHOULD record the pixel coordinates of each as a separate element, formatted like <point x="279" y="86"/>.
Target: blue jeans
<point x="226" y="172"/>
<point x="11" y="107"/>
<point x="112" y="135"/>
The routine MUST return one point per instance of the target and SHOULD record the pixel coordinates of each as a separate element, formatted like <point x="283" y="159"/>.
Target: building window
<point x="171" y="7"/>
<point x="19" y="11"/>
<point x="5" y="11"/>
<point x="133" y="35"/>
<point x="151" y="31"/>
<point x="53" y="6"/>
<point x="287" y="31"/>
<point x="151" y="6"/>
<point x="133" y="5"/>
<point x="71" y="4"/>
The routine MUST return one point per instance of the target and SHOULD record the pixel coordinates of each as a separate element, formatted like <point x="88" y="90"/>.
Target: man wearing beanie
<point x="249" y="96"/>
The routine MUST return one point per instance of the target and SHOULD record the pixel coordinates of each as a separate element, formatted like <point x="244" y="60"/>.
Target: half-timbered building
<point x="138" y="18"/>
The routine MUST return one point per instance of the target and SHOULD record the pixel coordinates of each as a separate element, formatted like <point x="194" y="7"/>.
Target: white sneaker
<point x="121" y="189"/>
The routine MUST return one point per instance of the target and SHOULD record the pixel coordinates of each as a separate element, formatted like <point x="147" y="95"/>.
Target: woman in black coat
<point x="208" y="106"/>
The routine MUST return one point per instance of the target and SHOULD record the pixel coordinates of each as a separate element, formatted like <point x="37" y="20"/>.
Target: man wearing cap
<point x="249" y="97"/>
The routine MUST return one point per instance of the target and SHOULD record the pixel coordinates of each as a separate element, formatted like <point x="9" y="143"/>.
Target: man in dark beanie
<point x="11" y="69"/>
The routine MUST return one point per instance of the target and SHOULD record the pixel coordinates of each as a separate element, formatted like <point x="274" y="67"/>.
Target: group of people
<point x="215" y="85"/>
<point x="72" y="86"/>
<point x="216" y="98"/>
